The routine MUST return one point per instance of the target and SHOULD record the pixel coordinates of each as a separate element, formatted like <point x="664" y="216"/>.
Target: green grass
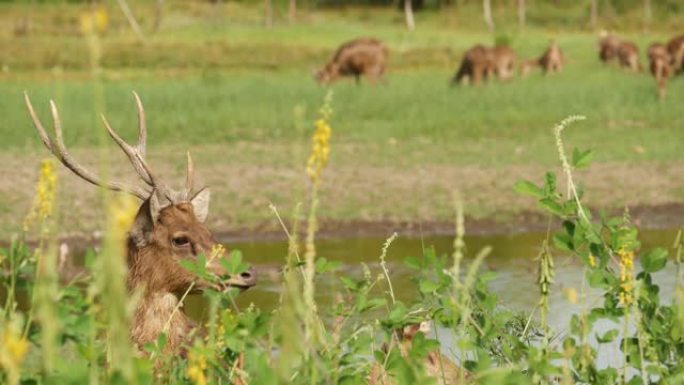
<point x="482" y="125"/>
<point x="242" y="96"/>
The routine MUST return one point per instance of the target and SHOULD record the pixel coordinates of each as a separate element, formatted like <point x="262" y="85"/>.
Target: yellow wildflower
<point x="13" y="349"/>
<point x="44" y="200"/>
<point x="592" y="260"/>
<point x="571" y="295"/>
<point x="95" y="21"/>
<point x="217" y="251"/>
<point x="626" y="262"/>
<point x="122" y="212"/>
<point x="320" y="146"/>
<point x="196" y="368"/>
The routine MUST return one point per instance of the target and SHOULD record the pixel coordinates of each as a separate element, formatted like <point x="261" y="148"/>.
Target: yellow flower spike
<point x="320" y="142"/>
<point x="570" y="295"/>
<point x="122" y="212"/>
<point x="592" y="260"/>
<point x="44" y="200"/>
<point x="626" y="262"/>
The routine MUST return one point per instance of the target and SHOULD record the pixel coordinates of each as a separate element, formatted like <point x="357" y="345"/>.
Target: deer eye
<point x="180" y="241"/>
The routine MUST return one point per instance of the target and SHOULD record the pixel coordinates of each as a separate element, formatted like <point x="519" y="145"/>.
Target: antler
<point x="136" y="155"/>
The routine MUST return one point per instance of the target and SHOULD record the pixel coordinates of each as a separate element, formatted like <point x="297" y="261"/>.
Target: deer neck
<point x="157" y="311"/>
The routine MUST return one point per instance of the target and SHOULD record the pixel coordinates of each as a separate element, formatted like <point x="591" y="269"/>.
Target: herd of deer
<point x="367" y="57"/>
<point x="169" y="225"/>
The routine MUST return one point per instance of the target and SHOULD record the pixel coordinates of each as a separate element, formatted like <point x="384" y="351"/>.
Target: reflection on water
<point x="512" y="258"/>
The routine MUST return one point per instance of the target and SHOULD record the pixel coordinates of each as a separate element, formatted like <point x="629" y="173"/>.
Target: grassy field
<point x="242" y="99"/>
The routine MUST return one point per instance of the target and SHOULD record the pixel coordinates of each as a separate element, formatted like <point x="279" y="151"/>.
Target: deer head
<point x="168" y="228"/>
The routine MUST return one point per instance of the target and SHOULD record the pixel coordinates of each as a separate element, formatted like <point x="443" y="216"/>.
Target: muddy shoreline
<point x="668" y="216"/>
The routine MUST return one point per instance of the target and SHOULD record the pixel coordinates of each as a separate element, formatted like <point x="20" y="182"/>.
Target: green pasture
<point x="217" y="82"/>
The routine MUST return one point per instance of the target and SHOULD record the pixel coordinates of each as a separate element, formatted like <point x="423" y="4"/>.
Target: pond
<point x="512" y="259"/>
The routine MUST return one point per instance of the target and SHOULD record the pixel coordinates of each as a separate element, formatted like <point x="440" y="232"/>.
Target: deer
<point x="503" y="60"/>
<point x="437" y="366"/>
<point x="551" y="61"/>
<point x="608" y="47"/>
<point x="675" y="48"/>
<point x="628" y="56"/>
<point x="612" y="48"/>
<point x="475" y="66"/>
<point x="169" y="227"/>
<point x="660" y="66"/>
<point x="365" y="57"/>
<point x="480" y="62"/>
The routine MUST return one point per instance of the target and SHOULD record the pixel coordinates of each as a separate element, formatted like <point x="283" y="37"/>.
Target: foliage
<point x="360" y="338"/>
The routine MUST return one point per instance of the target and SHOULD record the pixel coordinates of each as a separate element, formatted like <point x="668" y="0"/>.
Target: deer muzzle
<point x="244" y="280"/>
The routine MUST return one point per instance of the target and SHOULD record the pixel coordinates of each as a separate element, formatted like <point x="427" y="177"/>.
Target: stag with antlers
<point x="168" y="228"/>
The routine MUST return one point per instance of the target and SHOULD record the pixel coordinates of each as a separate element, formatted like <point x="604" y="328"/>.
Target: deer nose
<point x="244" y="280"/>
<point x="249" y="277"/>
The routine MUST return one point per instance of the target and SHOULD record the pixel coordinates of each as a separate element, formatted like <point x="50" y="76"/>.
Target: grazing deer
<point x="437" y="366"/>
<point x="475" y="66"/>
<point x="503" y="60"/>
<point x="628" y="56"/>
<point x="168" y="228"/>
<point x="360" y="57"/>
<point x="626" y="52"/>
<point x="608" y="47"/>
<point x="660" y="66"/>
<point x="675" y="48"/>
<point x="551" y="61"/>
<point x="480" y="62"/>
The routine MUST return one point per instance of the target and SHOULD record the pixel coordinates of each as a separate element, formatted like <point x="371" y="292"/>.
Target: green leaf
<point x="525" y="187"/>
<point x="654" y="260"/>
<point x="581" y="159"/>
<point x="609" y="336"/>
<point x="427" y="287"/>
<point x="552" y="206"/>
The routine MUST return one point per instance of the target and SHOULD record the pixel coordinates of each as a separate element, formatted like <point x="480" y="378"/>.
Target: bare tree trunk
<point x="521" y="12"/>
<point x="408" y="10"/>
<point x="487" y="10"/>
<point x="593" y="17"/>
<point x="648" y="14"/>
<point x="158" y="14"/>
<point x="293" y="11"/>
<point x="131" y="18"/>
<point x="268" y="13"/>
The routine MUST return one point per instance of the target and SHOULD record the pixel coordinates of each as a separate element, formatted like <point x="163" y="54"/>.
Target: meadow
<point x="245" y="94"/>
<point x="411" y="150"/>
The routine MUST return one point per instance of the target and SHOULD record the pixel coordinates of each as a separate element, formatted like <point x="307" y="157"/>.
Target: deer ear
<point x="200" y="204"/>
<point x="155" y="207"/>
<point x="144" y="221"/>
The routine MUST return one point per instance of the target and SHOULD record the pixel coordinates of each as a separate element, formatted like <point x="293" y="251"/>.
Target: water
<point x="512" y="259"/>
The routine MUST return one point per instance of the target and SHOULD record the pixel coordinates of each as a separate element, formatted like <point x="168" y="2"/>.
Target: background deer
<point x="168" y="228"/>
<point x="660" y="66"/>
<point x="675" y="48"/>
<point x="480" y="62"/>
<point x="626" y="52"/>
<point x="360" y="57"/>
<point x="628" y="56"/>
<point x="551" y="61"/>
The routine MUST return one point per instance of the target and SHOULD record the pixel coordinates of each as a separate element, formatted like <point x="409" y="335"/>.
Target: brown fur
<point x="437" y="366"/>
<point x="154" y="268"/>
<point x="608" y="47"/>
<point x="481" y="62"/>
<point x="660" y="66"/>
<point x="628" y="56"/>
<point x="360" y="57"/>
<point x="551" y="61"/>
<point x="675" y="48"/>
